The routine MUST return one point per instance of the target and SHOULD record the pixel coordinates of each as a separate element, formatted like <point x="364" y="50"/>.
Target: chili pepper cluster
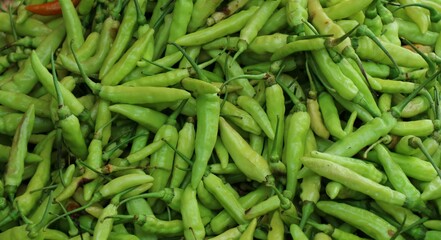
<point x="209" y="119"/>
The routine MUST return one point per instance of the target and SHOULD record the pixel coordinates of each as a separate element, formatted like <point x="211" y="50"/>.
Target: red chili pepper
<point x="48" y="9"/>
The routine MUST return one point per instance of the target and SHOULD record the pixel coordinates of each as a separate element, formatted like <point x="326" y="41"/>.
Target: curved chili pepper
<point x="49" y="8"/>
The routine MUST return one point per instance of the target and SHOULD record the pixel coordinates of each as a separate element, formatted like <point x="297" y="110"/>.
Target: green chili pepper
<point x="28" y="200"/>
<point x="377" y="228"/>
<point x="294" y="149"/>
<point x="225" y="27"/>
<point x="353" y="180"/>
<point x="15" y="166"/>
<point x="26" y="78"/>
<point x="229" y="10"/>
<point x="208" y="111"/>
<point x="247" y="160"/>
<point x="93" y="64"/>
<point x="215" y="185"/>
<point x="193" y="226"/>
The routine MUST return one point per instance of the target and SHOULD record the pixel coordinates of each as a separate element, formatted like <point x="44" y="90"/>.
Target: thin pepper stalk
<point x="430" y="63"/>
<point x="417" y="143"/>
<point x="207" y="112"/>
<point x="325" y="25"/>
<point x="115" y="186"/>
<point x="435" y="16"/>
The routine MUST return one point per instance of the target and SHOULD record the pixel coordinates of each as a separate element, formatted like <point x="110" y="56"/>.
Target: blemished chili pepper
<point x="49" y="8"/>
<point x="404" y="216"/>
<point x="277" y="229"/>
<point x="202" y="9"/>
<point x="225" y="27"/>
<point x="226" y="11"/>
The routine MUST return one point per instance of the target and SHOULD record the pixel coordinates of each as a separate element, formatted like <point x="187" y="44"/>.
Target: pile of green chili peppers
<point x="209" y="119"/>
